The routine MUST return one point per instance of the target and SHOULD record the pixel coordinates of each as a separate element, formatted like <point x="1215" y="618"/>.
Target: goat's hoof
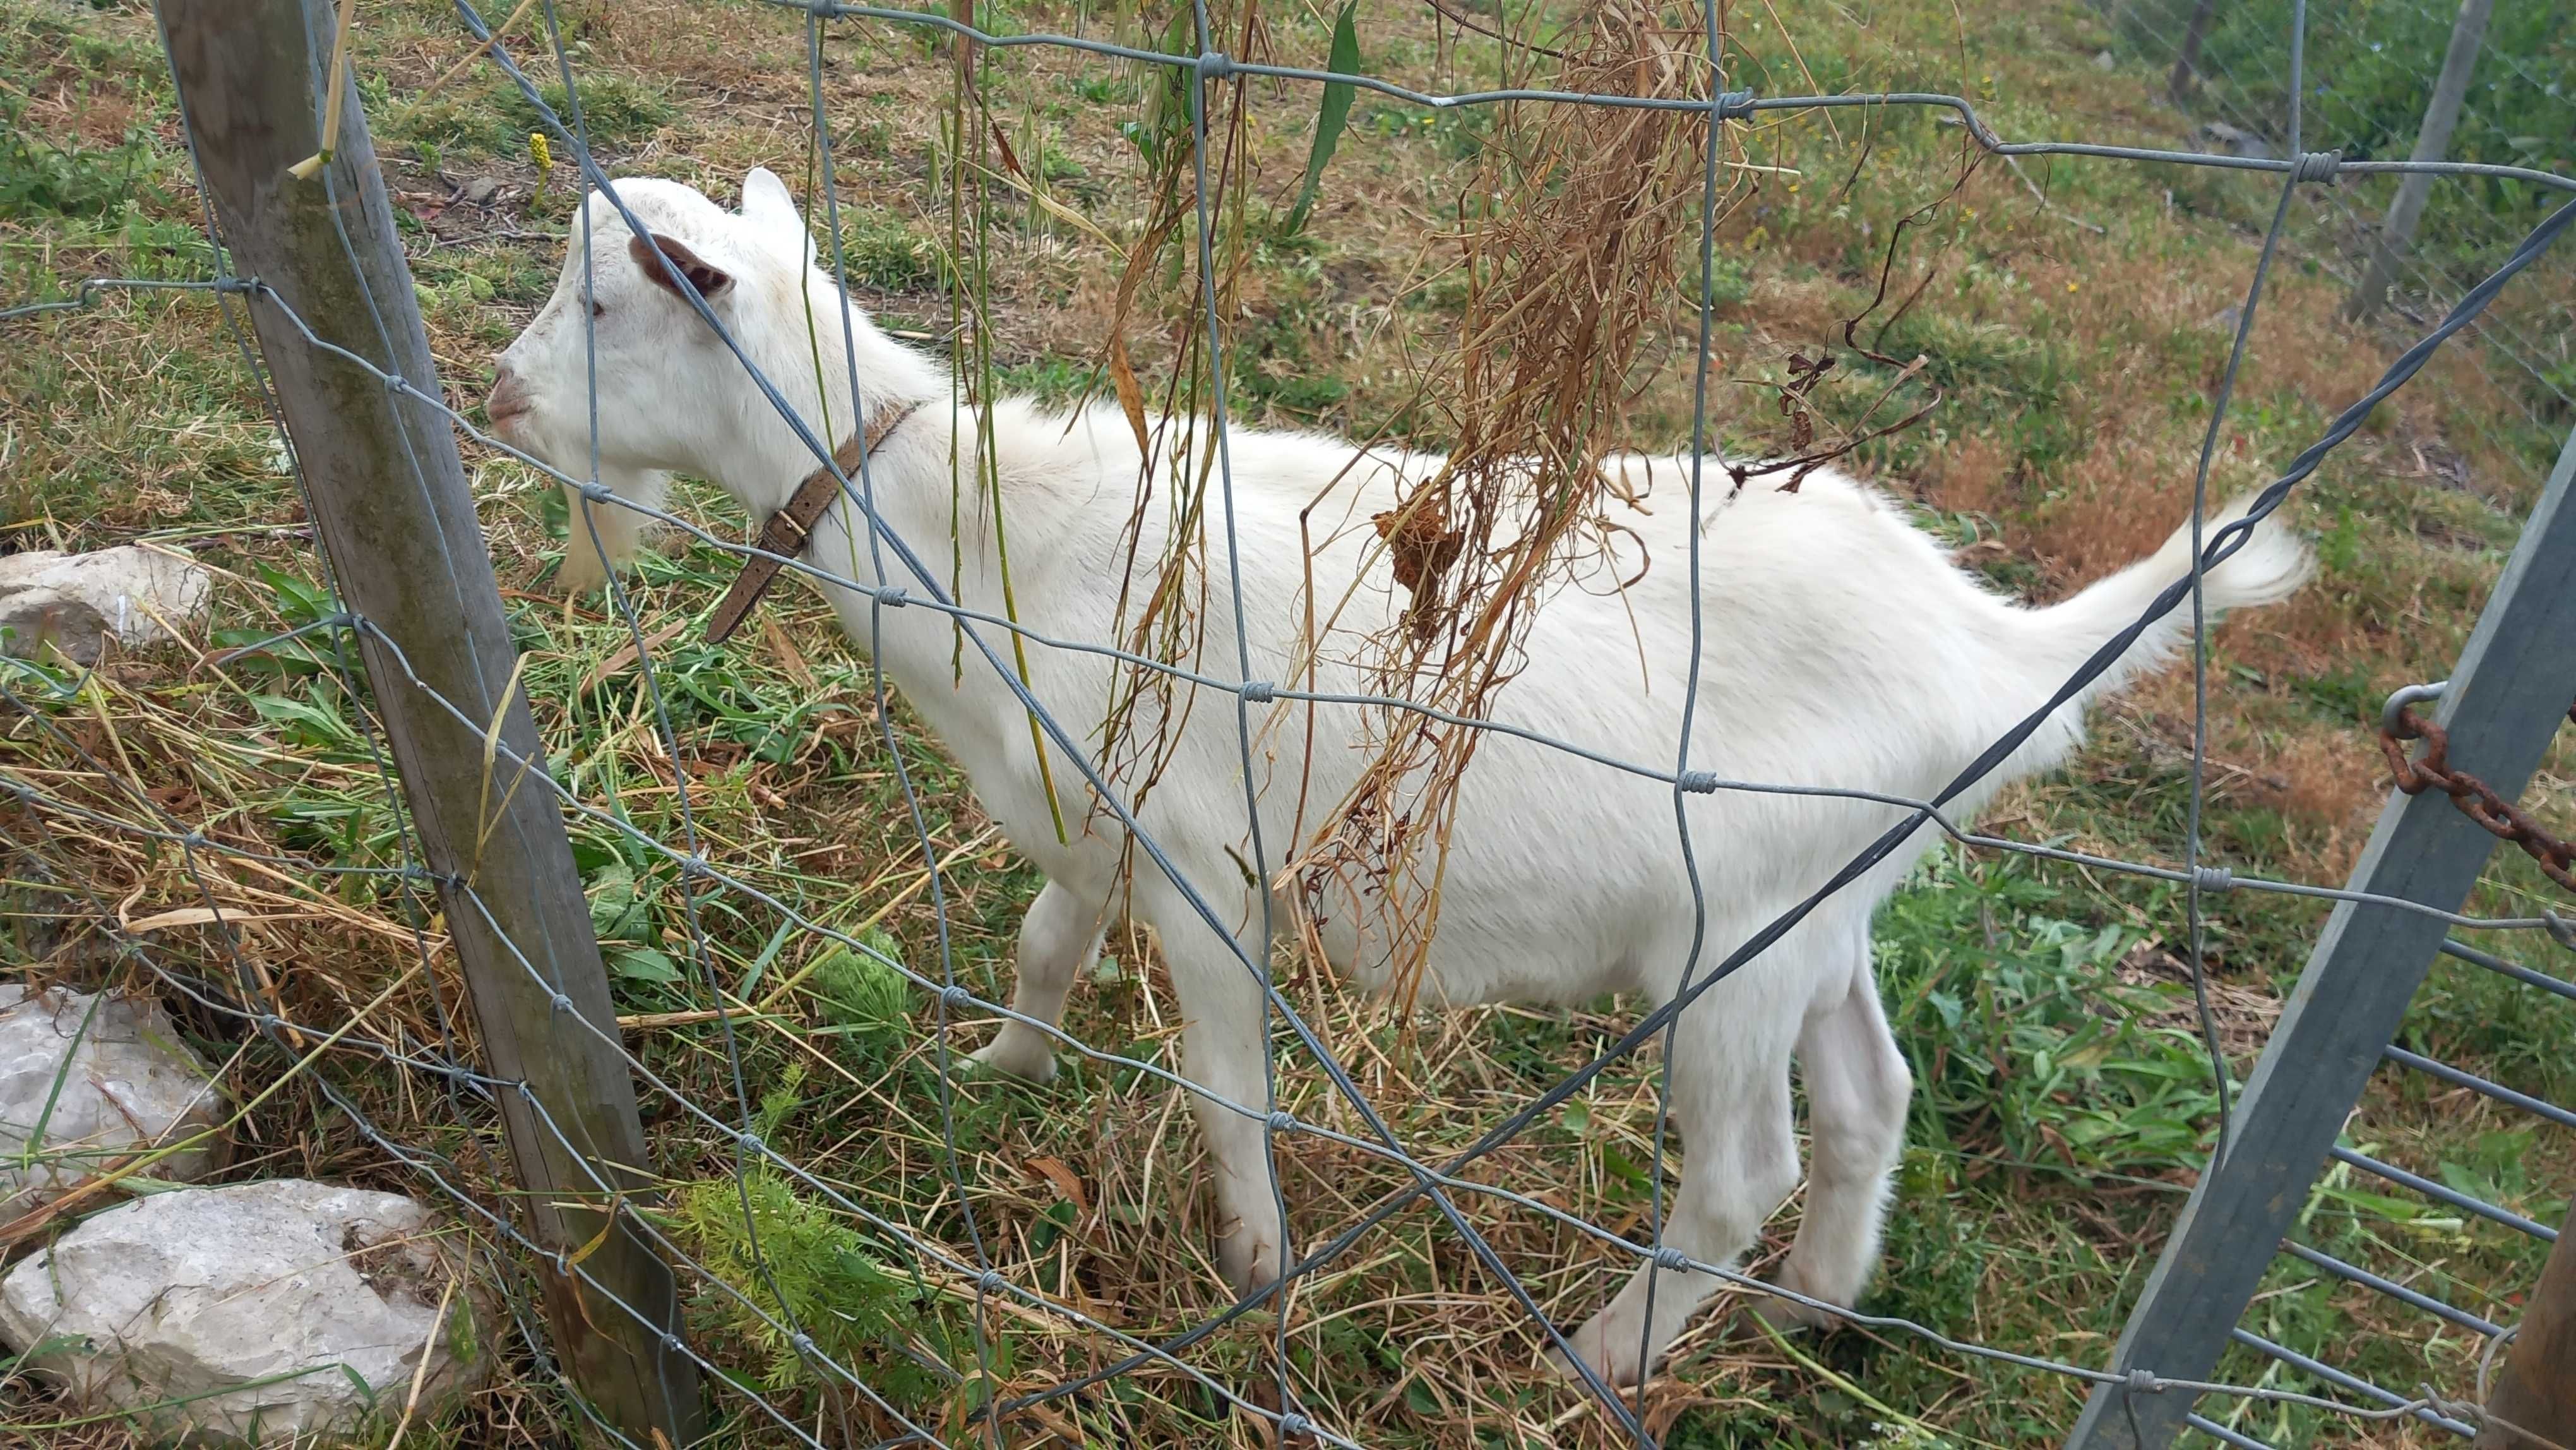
<point x="1249" y="1261"/>
<point x="1609" y="1344"/>
<point x="1012" y="1057"/>
<point x="1788" y="1316"/>
<point x="581" y="572"/>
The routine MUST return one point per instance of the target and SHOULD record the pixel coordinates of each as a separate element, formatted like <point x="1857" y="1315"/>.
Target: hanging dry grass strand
<point x="1570" y="238"/>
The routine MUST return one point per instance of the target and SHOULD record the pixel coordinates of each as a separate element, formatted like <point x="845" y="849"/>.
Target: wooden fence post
<point x="2536" y="1393"/>
<point x="2432" y="143"/>
<point x="392" y="509"/>
<point x="2186" y="71"/>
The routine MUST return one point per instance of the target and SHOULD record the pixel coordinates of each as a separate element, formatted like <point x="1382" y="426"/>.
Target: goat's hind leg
<point x="1059" y="937"/>
<point x="1858" y="1089"/>
<point x="1731" y="1093"/>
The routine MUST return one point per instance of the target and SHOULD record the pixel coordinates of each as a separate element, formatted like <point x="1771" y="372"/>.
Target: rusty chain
<point x="2476" y="799"/>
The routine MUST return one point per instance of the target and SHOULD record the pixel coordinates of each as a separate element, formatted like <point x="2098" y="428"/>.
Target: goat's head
<point x="670" y="394"/>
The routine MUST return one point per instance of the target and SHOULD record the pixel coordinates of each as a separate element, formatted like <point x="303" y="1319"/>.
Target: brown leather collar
<point x="783" y="534"/>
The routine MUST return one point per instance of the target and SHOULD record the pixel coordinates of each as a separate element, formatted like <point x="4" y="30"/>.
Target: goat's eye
<point x="596" y="310"/>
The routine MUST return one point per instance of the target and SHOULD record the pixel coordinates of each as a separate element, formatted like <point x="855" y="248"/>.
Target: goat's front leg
<point x="604" y="537"/>
<point x="1221" y="1040"/>
<point x="1059" y="937"/>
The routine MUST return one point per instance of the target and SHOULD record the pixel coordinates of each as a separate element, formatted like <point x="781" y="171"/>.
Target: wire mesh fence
<point x="2372" y="79"/>
<point x="918" y="1287"/>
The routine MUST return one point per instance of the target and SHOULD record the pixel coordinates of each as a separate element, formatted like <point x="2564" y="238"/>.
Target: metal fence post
<point x="2432" y="143"/>
<point x="2536" y="1393"/>
<point x="391" y="506"/>
<point x="2506" y="699"/>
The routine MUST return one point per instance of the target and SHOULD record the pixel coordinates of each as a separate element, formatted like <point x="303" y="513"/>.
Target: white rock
<point x="2222" y="139"/>
<point x="263" y="1306"/>
<point x="119" y="1080"/>
<point x="75" y="601"/>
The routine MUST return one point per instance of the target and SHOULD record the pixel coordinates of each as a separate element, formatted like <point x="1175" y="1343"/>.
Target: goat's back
<point x="1839" y="648"/>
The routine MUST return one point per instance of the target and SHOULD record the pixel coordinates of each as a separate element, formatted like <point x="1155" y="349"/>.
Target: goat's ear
<point x="766" y="200"/>
<point x="658" y="256"/>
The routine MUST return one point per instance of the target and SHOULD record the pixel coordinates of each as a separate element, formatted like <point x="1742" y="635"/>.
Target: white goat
<point x="1849" y="650"/>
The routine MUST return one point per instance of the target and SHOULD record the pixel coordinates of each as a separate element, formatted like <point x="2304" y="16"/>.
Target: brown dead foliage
<point x="1569" y="239"/>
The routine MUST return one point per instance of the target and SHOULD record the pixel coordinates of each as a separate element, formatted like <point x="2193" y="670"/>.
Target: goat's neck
<point x="814" y="373"/>
<point x="925" y="495"/>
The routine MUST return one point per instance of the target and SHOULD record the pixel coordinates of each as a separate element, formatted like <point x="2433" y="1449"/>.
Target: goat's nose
<point x="509" y="396"/>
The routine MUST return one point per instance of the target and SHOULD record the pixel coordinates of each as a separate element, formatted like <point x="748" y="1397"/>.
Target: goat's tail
<point x="2266" y="569"/>
<point x="2046" y="647"/>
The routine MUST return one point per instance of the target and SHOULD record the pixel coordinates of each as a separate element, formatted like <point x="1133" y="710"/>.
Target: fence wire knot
<point x="956" y="999"/>
<point x="751" y="1143"/>
<point x="1282" y="1121"/>
<point x="1698" y="782"/>
<point x="2561" y="928"/>
<point x="889" y="595"/>
<point x="1669" y="1258"/>
<point x="1258" y="692"/>
<point x="1215" y="65"/>
<point x="563" y="1001"/>
<point x="990" y="1282"/>
<point x="2317" y="166"/>
<point x="2144" y="1382"/>
<point x="2467" y="1411"/>
<point x="1292" y="1425"/>
<point x="2213" y="879"/>
<point x="1734" y="105"/>
<point x="803" y="1344"/>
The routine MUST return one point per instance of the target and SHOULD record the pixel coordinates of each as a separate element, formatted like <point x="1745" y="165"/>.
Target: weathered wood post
<point x="2186" y="71"/>
<point x="392" y="510"/>
<point x="2432" y="143"/>
<point x="2535" y="1395"/>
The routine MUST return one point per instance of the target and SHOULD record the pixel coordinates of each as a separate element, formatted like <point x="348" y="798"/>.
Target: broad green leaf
<point x="644" y="964"/>
<point x="1332" y="116"/>
<point x="612" y="898"/>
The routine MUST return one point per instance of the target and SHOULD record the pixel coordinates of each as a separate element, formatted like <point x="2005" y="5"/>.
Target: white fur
<point x="1842" y="648"/>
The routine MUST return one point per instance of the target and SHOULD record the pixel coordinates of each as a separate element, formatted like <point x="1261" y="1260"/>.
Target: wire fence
<point x="98" y="801"/>
<point x="2237" y="81"/>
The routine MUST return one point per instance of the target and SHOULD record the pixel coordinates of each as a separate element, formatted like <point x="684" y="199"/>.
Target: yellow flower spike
<point x="544" y="157"/>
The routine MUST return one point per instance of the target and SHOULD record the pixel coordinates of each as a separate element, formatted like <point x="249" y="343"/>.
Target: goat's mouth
<point x="505" y="415"/>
